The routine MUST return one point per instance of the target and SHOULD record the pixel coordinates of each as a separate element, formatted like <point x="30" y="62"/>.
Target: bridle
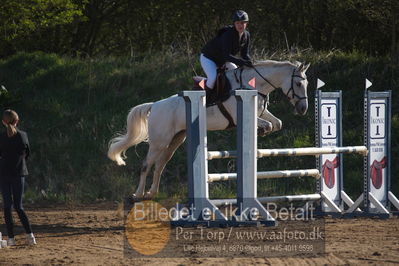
<point x="266" y="97"/>
<point x="294" y="95"/>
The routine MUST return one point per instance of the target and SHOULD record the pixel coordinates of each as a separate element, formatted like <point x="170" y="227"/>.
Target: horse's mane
<point x="274" y="63"/>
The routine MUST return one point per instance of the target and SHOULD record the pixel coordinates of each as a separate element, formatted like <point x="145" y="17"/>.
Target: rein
<point x="294" y="95"/>
<point x="264" y="96"/>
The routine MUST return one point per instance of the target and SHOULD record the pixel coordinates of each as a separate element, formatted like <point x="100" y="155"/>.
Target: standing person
<point x="222" y="49"/>
<point x="14" y="150"/>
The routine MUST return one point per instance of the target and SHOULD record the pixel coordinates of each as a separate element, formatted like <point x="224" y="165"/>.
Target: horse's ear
<point x="300" y="67"/>
<point x="305" y="68"/>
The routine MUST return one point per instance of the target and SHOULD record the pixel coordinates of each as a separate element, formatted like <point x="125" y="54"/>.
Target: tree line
<point x="127" y="28"/>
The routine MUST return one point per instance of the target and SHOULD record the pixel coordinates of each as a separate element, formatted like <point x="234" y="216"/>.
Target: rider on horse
<point x="221" y="50"/>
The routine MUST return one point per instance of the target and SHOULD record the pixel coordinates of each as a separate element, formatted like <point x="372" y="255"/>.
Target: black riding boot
<point x="211" y="95"/>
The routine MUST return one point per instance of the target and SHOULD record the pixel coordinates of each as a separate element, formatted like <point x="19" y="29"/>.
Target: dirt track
<point x="94" y="235"/>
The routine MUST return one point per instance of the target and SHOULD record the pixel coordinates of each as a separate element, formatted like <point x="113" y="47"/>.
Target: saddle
<point x="220" y="93"/>
<point x="217" y="95"/>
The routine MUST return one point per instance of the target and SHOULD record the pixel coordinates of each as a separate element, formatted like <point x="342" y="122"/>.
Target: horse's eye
<point x="298" y="84"/>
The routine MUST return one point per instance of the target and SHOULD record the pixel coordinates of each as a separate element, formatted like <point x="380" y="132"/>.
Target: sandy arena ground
<point x="93" y="235"/>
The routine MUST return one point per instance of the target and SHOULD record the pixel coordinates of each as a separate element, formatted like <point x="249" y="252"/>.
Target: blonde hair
<point x="10" y="120"/>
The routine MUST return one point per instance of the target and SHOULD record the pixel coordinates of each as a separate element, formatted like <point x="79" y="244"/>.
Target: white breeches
<point x="210" y="70"/>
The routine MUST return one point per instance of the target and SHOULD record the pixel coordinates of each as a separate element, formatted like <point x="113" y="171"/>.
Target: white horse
<point x="163" y="123"/>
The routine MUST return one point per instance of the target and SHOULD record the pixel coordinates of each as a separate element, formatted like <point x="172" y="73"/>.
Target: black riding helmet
<point x="240" y="15"/>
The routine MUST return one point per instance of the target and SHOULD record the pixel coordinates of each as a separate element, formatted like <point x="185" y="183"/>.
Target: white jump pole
<point x="267" y="174"/>
<point x="312" y="151"/>
<point x="265" y="200"/>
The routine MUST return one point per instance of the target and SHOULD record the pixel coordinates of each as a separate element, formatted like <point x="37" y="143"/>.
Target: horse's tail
<point x="136" y="132"/>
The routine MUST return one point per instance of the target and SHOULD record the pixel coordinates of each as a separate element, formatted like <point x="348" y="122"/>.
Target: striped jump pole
<point x="265" y="200"/>
<point x="314" y="151"/>
<point x="266" y="175"/>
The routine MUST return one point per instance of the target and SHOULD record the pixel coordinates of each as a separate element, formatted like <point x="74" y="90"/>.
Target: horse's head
<point x="291" y="78"/>
<point x="270" y="75"/>
<point x="295" y="85"/>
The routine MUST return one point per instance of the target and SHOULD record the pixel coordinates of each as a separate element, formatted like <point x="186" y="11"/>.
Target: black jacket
<point x="13" y="154"/>
<point x="226" y="45"/>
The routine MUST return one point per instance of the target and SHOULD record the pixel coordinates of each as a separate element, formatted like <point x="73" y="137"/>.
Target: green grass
<point x="72" y="107"/>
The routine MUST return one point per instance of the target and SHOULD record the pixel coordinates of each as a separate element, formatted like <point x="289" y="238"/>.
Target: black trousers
<point x="12" y="190"/>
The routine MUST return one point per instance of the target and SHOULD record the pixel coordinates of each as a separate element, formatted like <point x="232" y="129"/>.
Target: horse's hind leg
<point x="149" y="161"/>
<point x="163" y="159"/>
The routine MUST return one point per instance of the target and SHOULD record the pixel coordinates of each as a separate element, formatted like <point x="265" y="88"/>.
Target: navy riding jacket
<point x="226" y="45"/>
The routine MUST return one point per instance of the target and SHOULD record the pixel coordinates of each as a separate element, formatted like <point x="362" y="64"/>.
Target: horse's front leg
<point x="277" y="124"/>
<point x="264" y="127"/>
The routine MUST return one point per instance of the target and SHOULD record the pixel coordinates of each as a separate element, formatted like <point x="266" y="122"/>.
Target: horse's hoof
<point x="262" y="132"/>
<point x="133" y="199"/>
<point x="149" y="195"/>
